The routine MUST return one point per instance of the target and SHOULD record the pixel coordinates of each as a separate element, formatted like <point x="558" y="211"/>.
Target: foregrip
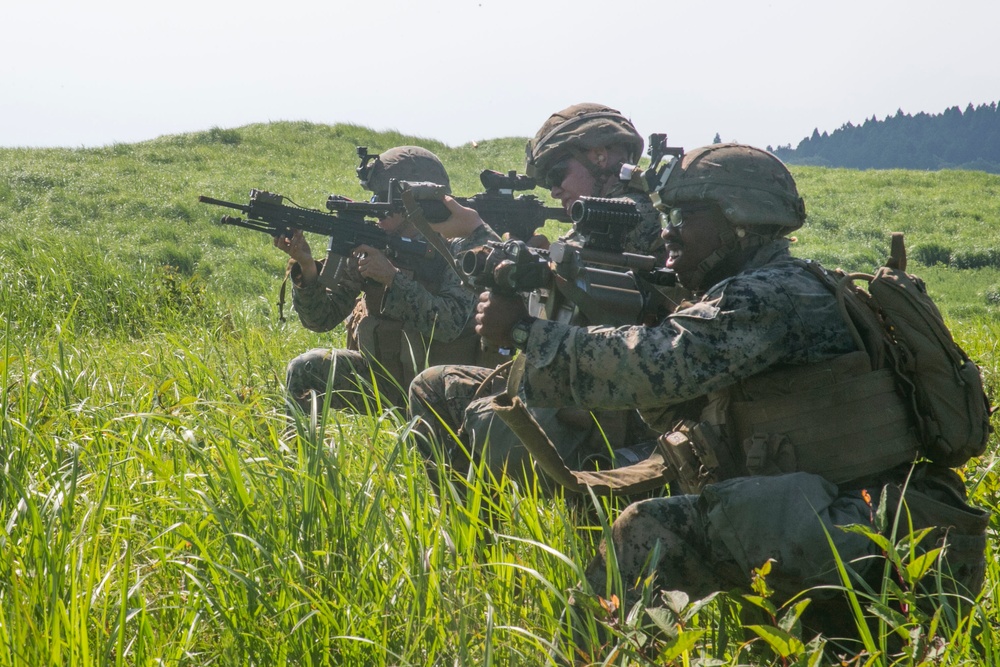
<point x="592" y="211"/>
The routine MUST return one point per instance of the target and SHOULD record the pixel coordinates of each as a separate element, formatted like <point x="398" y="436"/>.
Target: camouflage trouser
<point x="715" y="540"/>
<point x="454" y="401"/>
<point x="352" y="383"/>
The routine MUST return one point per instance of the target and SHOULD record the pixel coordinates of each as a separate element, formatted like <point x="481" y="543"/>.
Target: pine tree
<point x="953" y="138"/>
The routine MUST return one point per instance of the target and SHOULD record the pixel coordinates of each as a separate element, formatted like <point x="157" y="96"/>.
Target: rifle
<point x="267" y="213"/>
<point x="604" y="223"/>
<point x="498" y="207"/>
<point x="567" y="281"/>
<point x="585" y="273"/>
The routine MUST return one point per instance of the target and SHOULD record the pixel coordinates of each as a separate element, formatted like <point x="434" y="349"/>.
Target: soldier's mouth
<point x="674" y="253"/>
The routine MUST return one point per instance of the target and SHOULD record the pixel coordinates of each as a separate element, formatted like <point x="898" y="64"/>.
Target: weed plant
<point x="158" y="507"/>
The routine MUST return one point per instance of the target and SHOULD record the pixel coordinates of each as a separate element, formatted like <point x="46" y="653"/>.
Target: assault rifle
<point x="267" y="213"/>
<point x="498" y="207"/>
<point x="567" y="281"/>
<point x="604" y="223"/>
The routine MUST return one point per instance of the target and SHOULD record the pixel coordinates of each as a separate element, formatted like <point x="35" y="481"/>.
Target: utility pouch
<point x="694" y="450"/>
<point x="957" y="526"/>
<point x="835" y="418"/>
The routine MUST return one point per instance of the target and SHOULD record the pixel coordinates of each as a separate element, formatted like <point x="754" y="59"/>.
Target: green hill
<point x="153" y="507"/>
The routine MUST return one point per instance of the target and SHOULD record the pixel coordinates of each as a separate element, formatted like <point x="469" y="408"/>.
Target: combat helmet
<point x="577" y="129"/>
<point x="403" y="163"/>
<point x="750" y="186"/>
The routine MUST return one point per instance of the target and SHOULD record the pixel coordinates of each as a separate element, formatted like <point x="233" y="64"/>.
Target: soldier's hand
<point x="539" y="241"/>
<point x="295" y="246"/>
<point x="462" y="222"/>
<point x="496" y="316"/>
<point x="374" y="265"/>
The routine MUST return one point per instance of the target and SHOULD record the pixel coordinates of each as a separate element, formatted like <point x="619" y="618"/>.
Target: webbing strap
<point x="416" y="215"/>
<point x="897" y="252"/>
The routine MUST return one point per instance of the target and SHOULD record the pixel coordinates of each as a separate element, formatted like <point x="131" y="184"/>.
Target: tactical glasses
<point x="556" y="174"/>
<point x="673" y="219"/>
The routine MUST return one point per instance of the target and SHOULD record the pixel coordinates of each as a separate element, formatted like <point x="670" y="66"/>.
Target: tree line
<point x="953" y="139"/>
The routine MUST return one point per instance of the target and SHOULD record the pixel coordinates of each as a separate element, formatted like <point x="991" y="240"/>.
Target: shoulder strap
<point x="416" y="215"/>
<point x="897" y="253"/>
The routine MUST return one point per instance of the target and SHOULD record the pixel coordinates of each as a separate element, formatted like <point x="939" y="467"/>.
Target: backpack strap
<point x="897" y="253"/>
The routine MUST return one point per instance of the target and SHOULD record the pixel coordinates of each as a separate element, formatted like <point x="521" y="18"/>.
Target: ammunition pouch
<point x="837" y="418"/>
<point x="697" y="453"/>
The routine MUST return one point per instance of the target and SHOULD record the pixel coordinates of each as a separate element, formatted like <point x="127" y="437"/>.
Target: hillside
<point x="156" y="506"/>
<point x="131" y="210"/>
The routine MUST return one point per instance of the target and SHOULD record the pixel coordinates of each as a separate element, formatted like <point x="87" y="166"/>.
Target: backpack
<point x="894" y="320"/>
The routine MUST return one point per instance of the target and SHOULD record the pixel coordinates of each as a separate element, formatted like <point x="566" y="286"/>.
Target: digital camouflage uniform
<point x="423" y="319"/>
<point x="454" y="399"/>
<point x="773" y="318"/>
<point x="772" y="313"/>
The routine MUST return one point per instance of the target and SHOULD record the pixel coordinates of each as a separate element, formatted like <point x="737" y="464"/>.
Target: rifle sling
<point x="415" y="215"/>
<point x="643" y="477"/>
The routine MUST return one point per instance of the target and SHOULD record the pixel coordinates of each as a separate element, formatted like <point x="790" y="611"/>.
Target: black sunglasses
<point x="556" y="174"/>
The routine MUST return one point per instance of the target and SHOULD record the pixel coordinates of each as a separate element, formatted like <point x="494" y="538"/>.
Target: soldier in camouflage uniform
<point x="397" y="321"/>
<point x="785" y="447"/>
<point x="577" y="152"/>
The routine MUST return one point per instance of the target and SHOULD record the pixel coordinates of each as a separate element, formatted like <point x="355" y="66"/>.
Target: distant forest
<point x="954" y="139"/>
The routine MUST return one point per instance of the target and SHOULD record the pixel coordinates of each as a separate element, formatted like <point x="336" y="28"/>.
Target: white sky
<point x="92" y="73"/>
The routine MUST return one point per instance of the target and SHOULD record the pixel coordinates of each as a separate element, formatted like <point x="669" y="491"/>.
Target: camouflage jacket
<point x="443" y="311"/>
<point x="773" y="312"/>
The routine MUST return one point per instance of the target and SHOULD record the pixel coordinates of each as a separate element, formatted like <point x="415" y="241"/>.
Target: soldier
<point x="397" y="321"/>
<point x="577" y="152"/>
<point x="783" y="450"/>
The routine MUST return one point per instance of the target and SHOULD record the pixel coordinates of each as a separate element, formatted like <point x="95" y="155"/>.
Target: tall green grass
<point x="157" y="507"/>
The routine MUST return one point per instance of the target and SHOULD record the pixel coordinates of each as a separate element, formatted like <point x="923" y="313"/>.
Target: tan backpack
<point x="897" y="323"/>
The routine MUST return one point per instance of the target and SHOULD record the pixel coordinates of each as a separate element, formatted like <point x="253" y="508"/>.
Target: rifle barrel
<point x="218" y="202"/>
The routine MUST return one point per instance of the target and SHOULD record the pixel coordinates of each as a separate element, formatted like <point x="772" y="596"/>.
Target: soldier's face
<point x="392" y="223"/>
<point x="693" y="242"/>
<point x="576" y="181"/>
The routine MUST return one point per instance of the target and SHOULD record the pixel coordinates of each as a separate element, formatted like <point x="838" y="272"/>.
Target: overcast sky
<point x="104" y="71"/>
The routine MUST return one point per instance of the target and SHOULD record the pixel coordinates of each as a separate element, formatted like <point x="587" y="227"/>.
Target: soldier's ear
<point x="598" y="156"/>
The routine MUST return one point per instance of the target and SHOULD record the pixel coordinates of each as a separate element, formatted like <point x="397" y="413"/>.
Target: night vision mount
<point x="655" y="177"/>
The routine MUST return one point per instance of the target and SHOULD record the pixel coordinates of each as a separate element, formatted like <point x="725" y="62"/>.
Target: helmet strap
<point x="737" y="243"/>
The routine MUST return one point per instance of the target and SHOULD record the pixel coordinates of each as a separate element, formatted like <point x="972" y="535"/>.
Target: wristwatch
<point x="519" y="332"/>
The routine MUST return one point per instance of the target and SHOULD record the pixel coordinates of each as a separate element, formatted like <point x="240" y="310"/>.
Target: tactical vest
<point x="836" y="418"/>
<point x="400" y="348"/>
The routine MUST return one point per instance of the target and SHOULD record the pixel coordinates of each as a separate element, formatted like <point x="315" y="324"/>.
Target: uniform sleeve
<point x="739" y="330"/>
<point x="444" y="314"/>
<point x="321" y="309"/>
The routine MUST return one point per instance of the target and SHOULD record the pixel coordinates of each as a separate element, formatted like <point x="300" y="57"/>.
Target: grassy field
<point x="154" y="510"/>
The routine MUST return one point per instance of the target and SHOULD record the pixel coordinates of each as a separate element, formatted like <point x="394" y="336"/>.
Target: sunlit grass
<point x="158" y="507"/>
